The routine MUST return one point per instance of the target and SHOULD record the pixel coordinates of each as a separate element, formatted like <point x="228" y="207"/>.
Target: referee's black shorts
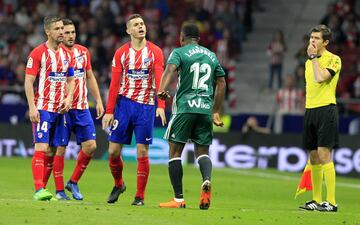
<point x="321" y="128"/>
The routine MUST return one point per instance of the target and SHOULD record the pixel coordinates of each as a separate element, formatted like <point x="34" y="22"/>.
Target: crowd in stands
<point x="101" y="26"/>
<point x="343" y="18"/>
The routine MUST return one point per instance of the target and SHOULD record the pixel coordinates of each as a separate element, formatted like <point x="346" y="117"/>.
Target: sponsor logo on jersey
<point x="29" y="63"/>
<point x="66" y="62"/>
<point x="79" y="73"/>
<point x="138" y="74"/>
<point x="80" y="58"/>
<point x="147" y="61"/>
<point x="57" y="76"/>
<point x="198" y="104"/>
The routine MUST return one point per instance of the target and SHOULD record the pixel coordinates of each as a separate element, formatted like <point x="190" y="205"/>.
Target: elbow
<point x="320" y="80"/>
<point x="222" y="84"/>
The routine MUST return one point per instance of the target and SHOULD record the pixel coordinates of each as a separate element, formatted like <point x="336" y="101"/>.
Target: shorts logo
<point x="148" y="139"/>
<point x="93" y="135"/>
<point x="40" y="135"/>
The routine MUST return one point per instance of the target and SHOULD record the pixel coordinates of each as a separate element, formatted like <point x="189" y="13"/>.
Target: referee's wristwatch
<point x="312" y="56"/>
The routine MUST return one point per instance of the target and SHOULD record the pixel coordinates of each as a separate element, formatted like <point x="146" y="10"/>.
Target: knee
<point x="60" y="151"/>
<point x="174" y="154"/>
<point x="89" y="148"/>
<point x="142" y="152"/>
<point x="314" y="158"/>
<point x="114" y="150"/>
<point x="325" y="157"/>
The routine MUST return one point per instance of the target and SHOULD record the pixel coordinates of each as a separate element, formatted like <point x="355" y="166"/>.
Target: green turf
<point x="239" y="197"/>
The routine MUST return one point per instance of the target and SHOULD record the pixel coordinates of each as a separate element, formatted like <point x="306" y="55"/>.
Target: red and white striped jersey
<point x="52" y="69"/>
<point x="138" y="73"/>
<point x="290" y="100"/>
<point x="82" y="63"/>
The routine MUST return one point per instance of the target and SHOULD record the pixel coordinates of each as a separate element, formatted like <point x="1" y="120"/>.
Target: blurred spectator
<point x="102" y="28"/>
<point x="46" y="8"/>
<point x="338" y="35"/>
<point x="7" y="75"/>
<point x="301" y="54"/>
<point x="276" y="50"/>
<point x="222" y="48"/>
<point x="300" y="77"/>
<point x="330" y="11"/>
<point x="252" y="125"/>
<point x="169" y="45"/>
<point x="290" y="99"/>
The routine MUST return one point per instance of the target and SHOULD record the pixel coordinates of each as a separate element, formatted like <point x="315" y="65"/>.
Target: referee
<point x="320" y="133"/>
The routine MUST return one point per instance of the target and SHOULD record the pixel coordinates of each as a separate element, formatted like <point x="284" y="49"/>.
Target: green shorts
<point x="190" y="126"/>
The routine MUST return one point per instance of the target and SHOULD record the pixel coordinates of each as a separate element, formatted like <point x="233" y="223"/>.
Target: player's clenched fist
<point x="163" y="95"/>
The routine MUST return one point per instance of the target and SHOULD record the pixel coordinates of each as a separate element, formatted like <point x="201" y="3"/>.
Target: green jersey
<point x="197" y="69"/>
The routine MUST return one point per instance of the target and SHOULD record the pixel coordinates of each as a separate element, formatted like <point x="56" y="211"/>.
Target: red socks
<point x="48" y="166"/>
<point x="82" y="162"/>
<point x="116" y="167"/>
<point x="58" y="172"/>
<point x="37" y="165"/>
<point x="142" y="176"/>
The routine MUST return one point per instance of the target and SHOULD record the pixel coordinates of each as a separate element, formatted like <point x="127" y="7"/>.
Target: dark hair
<point x="68" y="22"/>
<point x="190" y="30"/>
<point x="133" y="16"/>
<point x="48" y="20"/>
<point x="325" y="31"/>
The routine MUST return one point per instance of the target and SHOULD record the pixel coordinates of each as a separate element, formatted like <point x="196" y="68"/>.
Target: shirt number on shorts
<point x="115" y="124"/>
<point x="43" y="127"/>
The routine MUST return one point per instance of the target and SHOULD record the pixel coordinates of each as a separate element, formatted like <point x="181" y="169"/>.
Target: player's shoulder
<point x="206" y="49"/>
<point x="81" y="47"/>
<point x="153" y="46"/>
<point x="123" y="48"/>
<point x="213" y="54"/>
<point x="329" y="54"/>
<point x="38" y="50"/>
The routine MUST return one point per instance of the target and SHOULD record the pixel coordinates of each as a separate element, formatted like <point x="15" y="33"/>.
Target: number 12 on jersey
<point x="199" y="83"/>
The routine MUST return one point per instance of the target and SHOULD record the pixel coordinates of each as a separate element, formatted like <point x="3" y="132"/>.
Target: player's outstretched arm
<point x="166" y="78"/>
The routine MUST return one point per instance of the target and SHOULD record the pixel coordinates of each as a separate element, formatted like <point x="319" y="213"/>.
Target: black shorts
<point x="321" y="128"/>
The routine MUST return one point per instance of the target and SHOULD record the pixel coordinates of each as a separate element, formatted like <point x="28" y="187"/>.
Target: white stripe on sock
<point x="176" y="158"/>
<point x="198" y="158"/>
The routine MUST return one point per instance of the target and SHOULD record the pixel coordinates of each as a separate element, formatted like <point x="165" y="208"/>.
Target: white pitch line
<point x="283" y="177"/>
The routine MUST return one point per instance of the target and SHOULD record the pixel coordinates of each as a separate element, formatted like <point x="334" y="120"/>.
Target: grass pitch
<point x="238" y="197"/>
